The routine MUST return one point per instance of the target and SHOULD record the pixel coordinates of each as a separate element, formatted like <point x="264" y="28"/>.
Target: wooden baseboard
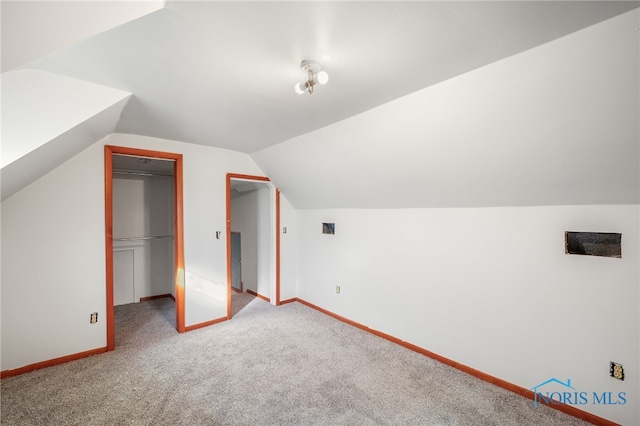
<point x="51" y="362"/>
<point x="159" y="296"/>
<point x="568" y="409"/>
<point x="204" y="324"/>
<point x="259" y="296"/>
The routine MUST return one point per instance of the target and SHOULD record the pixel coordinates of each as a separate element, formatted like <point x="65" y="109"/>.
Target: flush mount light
<point x="315" y="75"/>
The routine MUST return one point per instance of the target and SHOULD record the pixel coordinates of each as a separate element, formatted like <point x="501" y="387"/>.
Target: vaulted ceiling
<point x="222" y="73"/>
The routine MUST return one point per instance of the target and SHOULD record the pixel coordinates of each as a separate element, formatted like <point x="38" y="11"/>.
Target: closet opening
<point x="144" y="235"/>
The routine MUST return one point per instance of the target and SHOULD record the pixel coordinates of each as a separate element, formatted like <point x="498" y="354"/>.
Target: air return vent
<point x="604" y="244"/>
<point x="329" y="228"/>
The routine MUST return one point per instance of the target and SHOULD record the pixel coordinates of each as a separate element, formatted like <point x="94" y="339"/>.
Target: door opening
<point x="253" y="211"/>
<point x="131" y="275"/>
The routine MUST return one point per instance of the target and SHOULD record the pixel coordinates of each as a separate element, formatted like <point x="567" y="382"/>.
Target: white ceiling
<point x="32" y="29"/>
<point x="429" y="104"/>
<point x="222" y="73"/>
<point x="555" y="125"/>
<point x="46" y="119"/>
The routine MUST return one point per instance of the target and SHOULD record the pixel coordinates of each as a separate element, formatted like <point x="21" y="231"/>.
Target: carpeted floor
<point x="268" y="365"/>
<point x="239" y="301"/>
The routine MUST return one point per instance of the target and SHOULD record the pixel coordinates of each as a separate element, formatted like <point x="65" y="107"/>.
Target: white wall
<point x="244" y="220"/>
<point x="53" y="263"/>
<point x="490" y="288"/>
<point x="266" y="241"/>
<point x="160" y="199"/>
<point x="253" y="216"/>
<point x="143" y="207"/>
<point x="53" y="260"/>
<point x="288" y="250"/>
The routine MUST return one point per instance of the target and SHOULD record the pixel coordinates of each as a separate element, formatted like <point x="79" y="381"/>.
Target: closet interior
<point x="143" y="228"/>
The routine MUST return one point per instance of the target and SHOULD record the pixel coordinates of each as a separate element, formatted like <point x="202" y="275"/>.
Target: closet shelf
<point x="157" y="237"/>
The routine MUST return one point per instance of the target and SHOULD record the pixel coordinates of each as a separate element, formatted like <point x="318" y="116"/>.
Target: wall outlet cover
<point x="616" y="370"/>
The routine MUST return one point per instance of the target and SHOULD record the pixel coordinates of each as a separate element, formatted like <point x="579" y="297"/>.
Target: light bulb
<point x="300" y="88"/>
<point x="322" y="77"/>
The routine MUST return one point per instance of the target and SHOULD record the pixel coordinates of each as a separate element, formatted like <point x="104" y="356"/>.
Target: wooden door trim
<point x="228" y="233"/>
<point x="108" y="214"/>
<point x="109" y="151"/>
<point x="277" y="247"/>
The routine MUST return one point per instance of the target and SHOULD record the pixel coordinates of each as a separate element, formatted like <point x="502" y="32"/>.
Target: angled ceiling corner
<point x="58" y="25"/>
<point x="48" y="118"/>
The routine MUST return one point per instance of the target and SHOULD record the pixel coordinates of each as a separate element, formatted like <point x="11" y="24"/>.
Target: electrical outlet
<point x="616" y="371"/>
<point x="338" y="289"/>
<point x="94" y="318"/>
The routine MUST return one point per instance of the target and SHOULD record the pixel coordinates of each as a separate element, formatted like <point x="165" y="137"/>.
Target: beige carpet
<point x="285" y="365"/>
<point x="239" y="301"/>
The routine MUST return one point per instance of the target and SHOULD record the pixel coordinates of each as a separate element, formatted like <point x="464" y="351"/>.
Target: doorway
<point x="127" y="254"/>
<point x="253" y="214"/>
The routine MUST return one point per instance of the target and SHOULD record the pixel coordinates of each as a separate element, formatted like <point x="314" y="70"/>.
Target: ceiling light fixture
<point x="315" y="75"/>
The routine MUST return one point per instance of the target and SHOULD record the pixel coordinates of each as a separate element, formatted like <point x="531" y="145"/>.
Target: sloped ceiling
<point x="555" y="125"/>
<point x="46" y="119"/>
<point x="32" y="29"/>
<point x="222" y="74"/>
